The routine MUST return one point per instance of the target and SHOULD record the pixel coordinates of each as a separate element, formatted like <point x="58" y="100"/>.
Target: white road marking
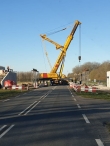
<point x="85" y="118"/>
<point x="72" y="95"/>
<point x="6" y="131"/>
<point x="78" y="106"/>
<point x="99" y="142"/>
<point x="3" y="127"/>
<point x="31" y="108"/>
<point x="44" y="97"/>
<point x="41" y="96"/>
<point x="27" y="108"/>
<point x="6" y="100"/>
<point x="17" y="96"/>
<point x="74" y="99"/>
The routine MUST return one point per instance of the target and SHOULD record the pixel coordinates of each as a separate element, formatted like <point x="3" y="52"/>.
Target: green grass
<point x="97" y="95"/>
<point x="9" y="93"/>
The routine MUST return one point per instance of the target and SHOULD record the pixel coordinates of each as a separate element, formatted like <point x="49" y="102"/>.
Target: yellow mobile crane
<point x="53" y="75"/>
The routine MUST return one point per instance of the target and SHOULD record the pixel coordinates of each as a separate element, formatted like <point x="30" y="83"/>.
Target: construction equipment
<point x="46" y="54"/>
<point x="53" y="75"/>
<point x="56" y="44"/>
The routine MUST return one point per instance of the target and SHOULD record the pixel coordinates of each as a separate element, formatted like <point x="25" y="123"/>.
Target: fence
<point x="84" y="88"/>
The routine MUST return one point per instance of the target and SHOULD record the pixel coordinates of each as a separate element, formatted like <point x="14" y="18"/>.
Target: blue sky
<point x="22" y="22"/>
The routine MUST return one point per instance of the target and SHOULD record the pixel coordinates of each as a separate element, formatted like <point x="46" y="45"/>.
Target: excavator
<point x="53" y="76"/>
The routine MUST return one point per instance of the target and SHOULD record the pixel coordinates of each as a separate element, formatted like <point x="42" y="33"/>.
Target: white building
<point x="108" y="78"/>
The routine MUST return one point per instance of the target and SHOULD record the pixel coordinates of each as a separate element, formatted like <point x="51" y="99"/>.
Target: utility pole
<point x="34" y="76"/>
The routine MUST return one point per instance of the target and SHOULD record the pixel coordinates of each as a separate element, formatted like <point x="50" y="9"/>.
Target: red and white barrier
<point x="16" y="87"/>
<point x="88" y="89"/>
<point x="77" y="87"/>
<point x="35" y="85"/>
<point x="71" y="84"/>
<point x="85" y="88"/>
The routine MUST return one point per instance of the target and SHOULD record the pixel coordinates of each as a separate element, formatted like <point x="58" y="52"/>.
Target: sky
<point x="22" y="22"/>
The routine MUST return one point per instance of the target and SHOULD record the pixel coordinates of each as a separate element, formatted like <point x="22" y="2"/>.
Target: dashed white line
<point x="6" y="100"/>
<point x="72" y="95"/>
<point x="85" y="118"/>
<point x="74" y="99"/>
<point x="99" y="142"/>
<point x="6" y="131"/>
<point x="78" y="106"/>
<point x="17" y="96"/>
<point x="3" y="127"/>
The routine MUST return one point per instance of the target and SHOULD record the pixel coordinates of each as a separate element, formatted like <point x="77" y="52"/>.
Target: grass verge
<point x="10" y="93"/>
<point x="97" y="95"/>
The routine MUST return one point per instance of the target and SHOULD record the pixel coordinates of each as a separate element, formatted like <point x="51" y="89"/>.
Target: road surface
<point x="53" y="116"/>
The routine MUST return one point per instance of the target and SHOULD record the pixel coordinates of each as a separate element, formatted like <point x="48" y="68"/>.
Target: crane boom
<point x="53" y="73"/>
<point x="61" y="68"/>
<point x="56" y="44"/>
<point x="66" y="45"/>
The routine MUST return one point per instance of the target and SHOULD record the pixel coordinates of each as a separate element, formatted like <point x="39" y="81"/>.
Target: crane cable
<point x="43" y="55"/>
<point x="58" y="30"/>
<point x="55" y="31"/>
<point x="44" y="46"/>
<point x="80" y="54"/>
<point x="79" y="43"/>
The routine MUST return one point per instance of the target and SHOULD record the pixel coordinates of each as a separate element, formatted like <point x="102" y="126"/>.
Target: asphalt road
<point x="54" y="116"/>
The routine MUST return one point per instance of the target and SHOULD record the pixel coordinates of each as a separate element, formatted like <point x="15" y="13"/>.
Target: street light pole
<point x="34" y="76"/>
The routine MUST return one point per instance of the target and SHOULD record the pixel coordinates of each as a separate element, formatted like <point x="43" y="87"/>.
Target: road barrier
<point x="16" y="87"/>
<point x="83" y="88"/>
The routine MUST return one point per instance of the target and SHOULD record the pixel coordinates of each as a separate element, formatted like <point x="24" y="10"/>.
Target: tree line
<point x="90" y="71"/>
<point x="27" y="76"/>
<point x="84" y="72"/>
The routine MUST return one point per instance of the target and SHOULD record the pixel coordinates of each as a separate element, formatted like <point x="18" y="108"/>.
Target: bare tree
<point x="24" y="76"/>
<point x="92" y="70"/>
